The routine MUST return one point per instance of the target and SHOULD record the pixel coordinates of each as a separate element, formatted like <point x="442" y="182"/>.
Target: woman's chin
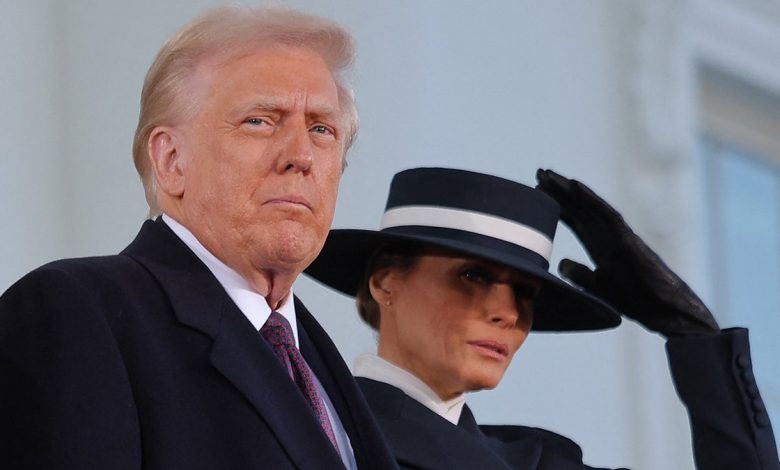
<point x="484" y="382"/>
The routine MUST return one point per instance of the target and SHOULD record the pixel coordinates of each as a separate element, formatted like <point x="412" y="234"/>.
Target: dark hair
<point x="397" y="255"/>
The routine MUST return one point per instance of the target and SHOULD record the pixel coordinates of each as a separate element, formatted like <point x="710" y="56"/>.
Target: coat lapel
<point x="422" y="439"/>
<point x="522" y="452"/>
<point x="371" y="450"/>
<point x="238" y="351"/>
<point x="243" y="357"/>
<point x="524" y="447"/>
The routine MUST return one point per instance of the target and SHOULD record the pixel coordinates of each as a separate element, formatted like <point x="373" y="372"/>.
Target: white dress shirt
<point x="376" y="368"/>
<point x="256" y="309"/>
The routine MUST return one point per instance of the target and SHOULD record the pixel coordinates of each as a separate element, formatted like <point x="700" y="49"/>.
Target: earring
<point x="387" y="300"/>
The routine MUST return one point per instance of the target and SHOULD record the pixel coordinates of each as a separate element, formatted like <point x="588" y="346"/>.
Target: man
<point x="167" y="356"/>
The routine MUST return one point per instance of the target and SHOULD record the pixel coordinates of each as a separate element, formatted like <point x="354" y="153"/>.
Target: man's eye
<point x="256" y="121"/>
<point x="320" y="129"/>
<point x="477" y="275"/>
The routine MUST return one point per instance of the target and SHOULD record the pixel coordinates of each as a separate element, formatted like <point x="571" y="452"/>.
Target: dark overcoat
<point x="712" y="374"/>
<point x="142" y="361"/>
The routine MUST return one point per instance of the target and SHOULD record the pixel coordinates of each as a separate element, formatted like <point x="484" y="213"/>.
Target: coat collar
<point x="422" y="439"/>
<point x="238" y="351"/>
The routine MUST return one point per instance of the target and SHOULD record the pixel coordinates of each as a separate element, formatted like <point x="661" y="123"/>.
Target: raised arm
<point x="712" y="370"/>
<point x="629" y="275"/>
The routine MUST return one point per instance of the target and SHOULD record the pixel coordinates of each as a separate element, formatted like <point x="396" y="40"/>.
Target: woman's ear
<point x="167" y="160"/>
<point x="380" y="285"/>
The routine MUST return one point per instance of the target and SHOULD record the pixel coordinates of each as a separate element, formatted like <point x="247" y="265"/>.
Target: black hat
<point x="476" y="214"/>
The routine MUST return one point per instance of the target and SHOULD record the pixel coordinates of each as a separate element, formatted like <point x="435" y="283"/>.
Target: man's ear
<point x="167" y="160"/>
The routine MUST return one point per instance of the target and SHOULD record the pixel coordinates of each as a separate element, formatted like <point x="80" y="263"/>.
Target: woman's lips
<point x="491" y="348"/>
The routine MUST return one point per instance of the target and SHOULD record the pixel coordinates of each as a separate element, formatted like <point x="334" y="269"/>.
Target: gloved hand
<point x="629" y="275"/>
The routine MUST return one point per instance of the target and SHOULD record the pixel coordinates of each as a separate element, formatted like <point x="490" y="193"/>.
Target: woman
<point x="453" y="283"/>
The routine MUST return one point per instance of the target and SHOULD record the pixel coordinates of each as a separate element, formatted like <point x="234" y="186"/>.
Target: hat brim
<point x="342" y="262"/>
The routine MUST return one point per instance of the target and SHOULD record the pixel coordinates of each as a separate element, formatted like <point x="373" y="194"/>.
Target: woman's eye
<point x="478" y="275"/>
<point x="525" y="291"/>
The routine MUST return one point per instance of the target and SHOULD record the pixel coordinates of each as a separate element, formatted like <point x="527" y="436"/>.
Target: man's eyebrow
<point x="274" y="104"/>
<point x="264" y="104"/>
<point x="322" y="109"/>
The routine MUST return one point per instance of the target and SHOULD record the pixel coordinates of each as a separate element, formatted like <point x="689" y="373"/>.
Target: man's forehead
<point x="228" y="54"/>
<point x="270" y="70"/>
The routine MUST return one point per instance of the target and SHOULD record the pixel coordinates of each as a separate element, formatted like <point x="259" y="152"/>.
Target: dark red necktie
<point x="278" y="333"/>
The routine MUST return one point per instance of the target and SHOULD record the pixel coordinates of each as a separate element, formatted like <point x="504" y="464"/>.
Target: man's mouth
<point x="291" y="200"/>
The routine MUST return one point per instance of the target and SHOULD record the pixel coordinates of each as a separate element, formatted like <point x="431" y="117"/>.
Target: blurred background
<point x="670" y="109"/>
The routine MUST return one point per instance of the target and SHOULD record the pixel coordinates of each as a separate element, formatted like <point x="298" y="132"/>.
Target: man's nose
<point x="501" y="306"/>
<point x="296" y="152"/>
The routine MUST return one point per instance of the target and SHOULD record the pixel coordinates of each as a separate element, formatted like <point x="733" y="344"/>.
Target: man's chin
<point x="293" y="252"/>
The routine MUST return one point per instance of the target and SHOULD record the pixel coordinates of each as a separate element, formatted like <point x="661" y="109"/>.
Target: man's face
<point x="262" y="159"/>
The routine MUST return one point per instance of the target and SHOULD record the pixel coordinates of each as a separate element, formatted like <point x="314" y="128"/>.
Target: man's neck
<point x="274" y="285"/>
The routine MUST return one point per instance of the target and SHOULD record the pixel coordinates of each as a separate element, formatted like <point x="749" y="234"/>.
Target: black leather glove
<point x="629" y="275"/>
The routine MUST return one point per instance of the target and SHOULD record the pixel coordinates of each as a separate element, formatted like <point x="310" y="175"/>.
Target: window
<point x="741" y="161"/>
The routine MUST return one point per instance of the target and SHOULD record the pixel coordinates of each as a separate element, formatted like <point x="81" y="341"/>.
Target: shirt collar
<point x="249" y="301"/>
<point x="376" y="368"/>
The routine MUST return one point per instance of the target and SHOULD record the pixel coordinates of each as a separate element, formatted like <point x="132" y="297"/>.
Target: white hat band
<point x="469" y="221"/>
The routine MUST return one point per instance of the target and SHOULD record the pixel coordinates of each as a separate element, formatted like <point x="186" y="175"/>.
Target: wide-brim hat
<point x="475" y="214"/>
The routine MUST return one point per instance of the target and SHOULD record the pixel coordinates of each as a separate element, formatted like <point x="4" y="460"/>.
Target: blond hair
<point x="225" y="32"/>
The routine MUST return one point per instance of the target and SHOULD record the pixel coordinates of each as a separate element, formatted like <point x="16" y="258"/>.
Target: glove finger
<point x="556" y="186"/>
<point x="578" y="274"/>
<point x="598" y="225"/>
<point x="579" y="204"/>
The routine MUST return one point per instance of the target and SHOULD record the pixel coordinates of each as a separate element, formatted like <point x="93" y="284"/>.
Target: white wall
<point x="31" y="188"/>
<point x="504" y="89"/>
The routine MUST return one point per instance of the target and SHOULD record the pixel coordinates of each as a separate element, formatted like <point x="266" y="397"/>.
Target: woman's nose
<point x="501" y="306"/>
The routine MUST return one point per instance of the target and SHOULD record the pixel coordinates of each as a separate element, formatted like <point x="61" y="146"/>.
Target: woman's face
<point x="453" y="321"/>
